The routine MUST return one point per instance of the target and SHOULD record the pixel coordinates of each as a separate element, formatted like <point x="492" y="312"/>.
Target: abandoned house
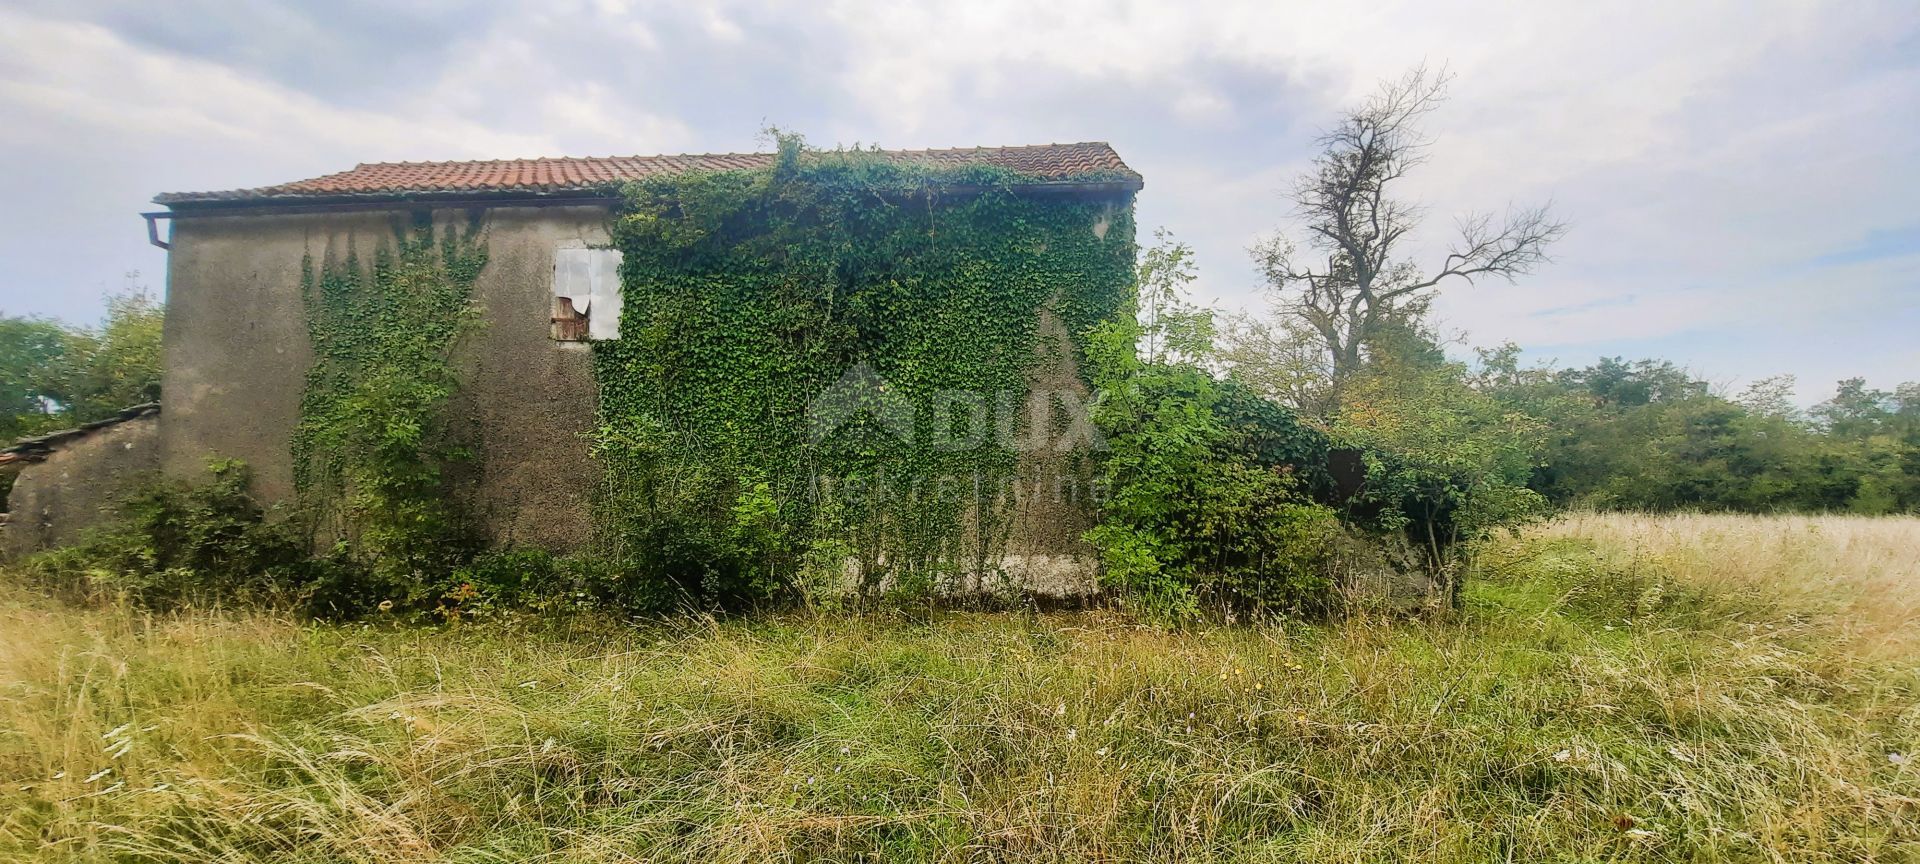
<point x="237" y="343"/>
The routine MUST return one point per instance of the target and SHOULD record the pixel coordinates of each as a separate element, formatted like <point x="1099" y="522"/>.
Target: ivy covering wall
<point x="374" y="446"/>
<point x="894" y="289"/>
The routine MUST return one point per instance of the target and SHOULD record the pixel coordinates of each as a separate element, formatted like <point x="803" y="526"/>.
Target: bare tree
<point x="1353" y="283"/>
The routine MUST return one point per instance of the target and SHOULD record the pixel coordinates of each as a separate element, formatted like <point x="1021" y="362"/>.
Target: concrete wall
<point x="77" y="485"/>
<point x="237" y="356"/>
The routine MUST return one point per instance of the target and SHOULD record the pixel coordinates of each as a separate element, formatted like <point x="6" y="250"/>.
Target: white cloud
<point x="63" y="75"/>
<point x="1713" y="156"/>
<point x="1705" y="152"/>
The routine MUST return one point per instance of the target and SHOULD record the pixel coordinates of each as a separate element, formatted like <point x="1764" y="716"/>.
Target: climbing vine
<point x="807" y="356"/>
<point x="374" y="445"/>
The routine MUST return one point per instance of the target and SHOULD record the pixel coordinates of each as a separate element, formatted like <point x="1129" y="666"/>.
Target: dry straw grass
<point x="1860" y="575"/>
<point x="1620" y="688"/>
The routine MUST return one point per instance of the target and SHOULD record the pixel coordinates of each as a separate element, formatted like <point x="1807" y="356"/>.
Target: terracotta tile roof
<point x="1043" y="163"/>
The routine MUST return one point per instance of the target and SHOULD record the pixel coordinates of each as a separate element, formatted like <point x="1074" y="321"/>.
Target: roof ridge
<point x="1094" y="162"/>
<point x="725" y="154"/>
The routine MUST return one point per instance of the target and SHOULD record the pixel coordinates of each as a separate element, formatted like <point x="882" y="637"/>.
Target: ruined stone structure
<point x="69" y="481"/>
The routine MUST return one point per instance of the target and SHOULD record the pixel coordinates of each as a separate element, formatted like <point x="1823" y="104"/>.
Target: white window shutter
<point x="604" y="270"/>
<point x="590" y="278"/>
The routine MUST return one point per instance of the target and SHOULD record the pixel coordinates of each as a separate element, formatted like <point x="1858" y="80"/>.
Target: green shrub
<point x="178" y="545"/>
<point x="1208" y="488"/>
<point x="537" y="580"/>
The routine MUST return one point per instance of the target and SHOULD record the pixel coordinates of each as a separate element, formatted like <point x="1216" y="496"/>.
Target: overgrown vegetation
<point x="1616" y="688"/>
<point x="1208" y="498"/>
<point x="375" y="446"/>
<point x="821" y="370"/>
<point x="1218" y="497"/>
<point x="180" y="545"/>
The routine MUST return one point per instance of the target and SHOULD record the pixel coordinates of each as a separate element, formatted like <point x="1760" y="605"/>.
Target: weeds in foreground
<point x="1596" y="700"/>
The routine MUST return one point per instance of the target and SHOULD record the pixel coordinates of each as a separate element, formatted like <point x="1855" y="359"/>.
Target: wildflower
<point x="1102" y="752"/>
<point x="1563" y="756"/>
<point x="1259" y="686"/>
<point x="845" y="750"/>
<point x="1897" y="758"/>
<point x="1072" y="734"/>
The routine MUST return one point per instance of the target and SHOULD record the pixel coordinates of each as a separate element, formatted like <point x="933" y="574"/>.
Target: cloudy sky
<point x="1743" y="178"/>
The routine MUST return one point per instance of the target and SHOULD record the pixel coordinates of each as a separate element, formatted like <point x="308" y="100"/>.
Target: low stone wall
<point x="69" y="482"/>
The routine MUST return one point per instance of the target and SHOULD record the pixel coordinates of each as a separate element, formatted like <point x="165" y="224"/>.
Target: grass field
<point x="1619" y="688"/>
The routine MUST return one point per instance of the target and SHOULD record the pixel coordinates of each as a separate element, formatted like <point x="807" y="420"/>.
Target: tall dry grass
<point x="1860" y="575"/>
<point x="1615" y="690"/>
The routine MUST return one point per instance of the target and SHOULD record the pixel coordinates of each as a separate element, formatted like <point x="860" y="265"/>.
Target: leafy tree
<point x="34" y="354"/>
<point x="1278" y="359"/>
<point x="54" y="375"/>
<point x="1856" y="410"/>
<point x="1770" y="397"/>
<point x="1452" y="461"/>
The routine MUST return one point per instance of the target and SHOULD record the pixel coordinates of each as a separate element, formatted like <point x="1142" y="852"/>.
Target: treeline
<point x="55" y="375"/>
<point x="1646" y="435"/>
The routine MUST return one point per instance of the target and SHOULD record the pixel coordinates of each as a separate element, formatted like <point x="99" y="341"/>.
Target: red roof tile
<point x="1043" y="163"/>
